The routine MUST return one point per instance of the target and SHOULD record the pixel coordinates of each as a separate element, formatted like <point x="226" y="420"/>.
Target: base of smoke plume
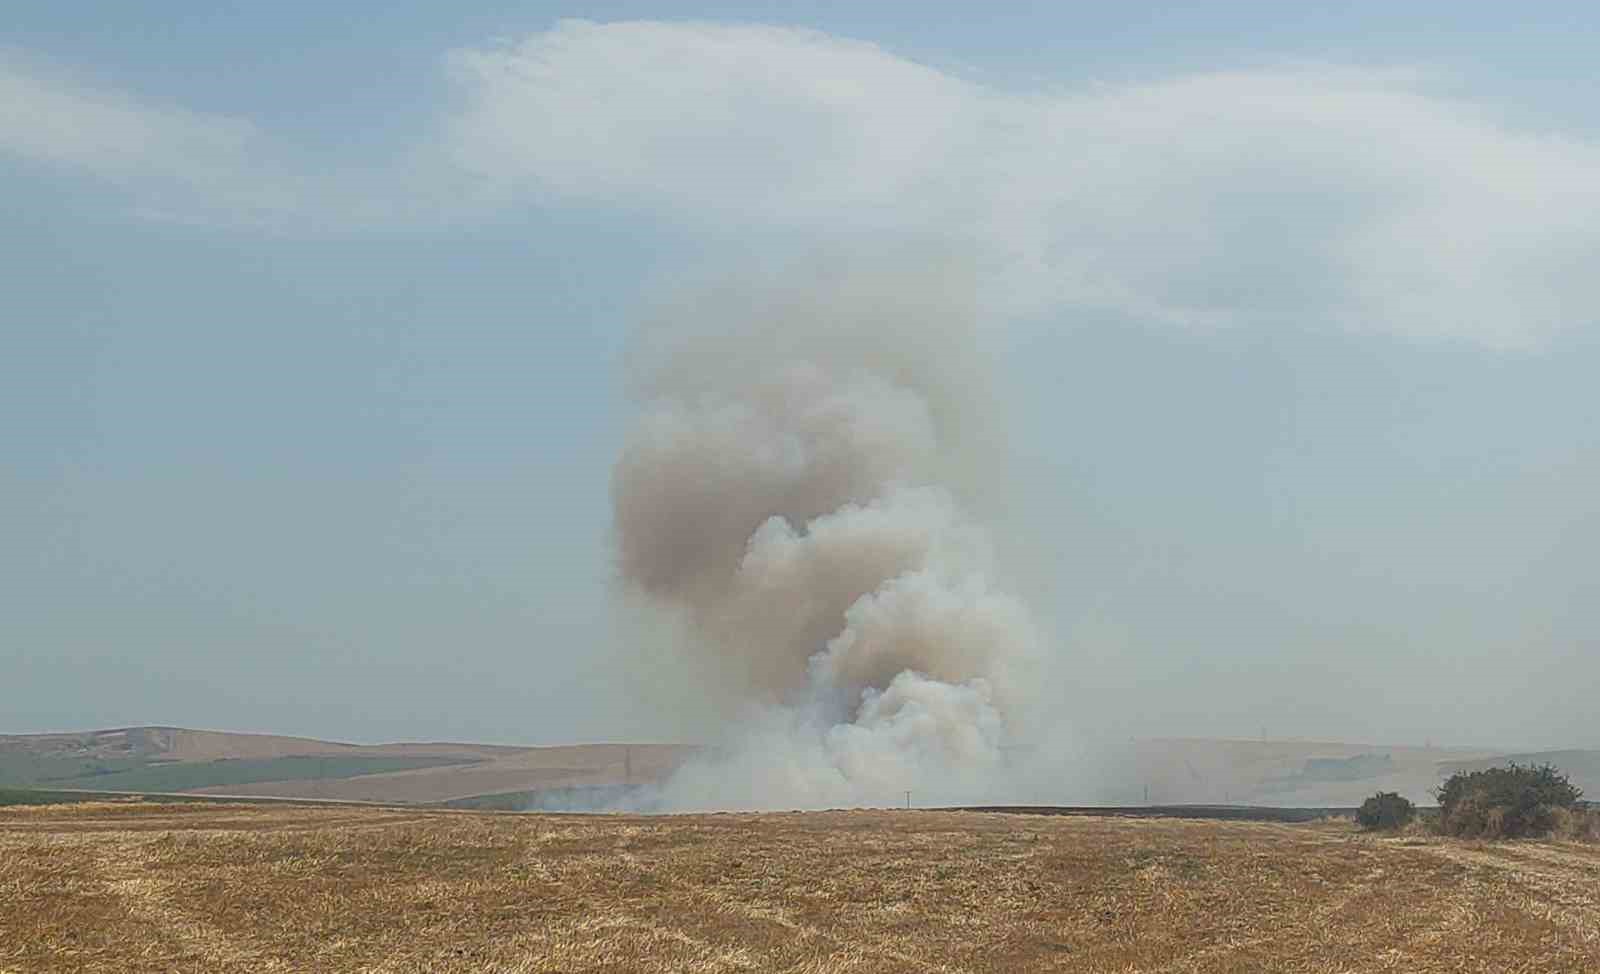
<point x="761" y="774"/>
<point x="649" y="800"/>
<point x="577" y="798"/>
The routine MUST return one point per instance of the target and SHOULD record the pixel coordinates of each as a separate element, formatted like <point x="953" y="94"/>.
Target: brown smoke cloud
<point x="796" y="491"/>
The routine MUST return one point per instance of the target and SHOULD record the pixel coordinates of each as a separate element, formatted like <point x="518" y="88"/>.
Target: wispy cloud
<point x="1351" y="198"/>
<point x="171" y="159"/>
<point x="177" y="165"/>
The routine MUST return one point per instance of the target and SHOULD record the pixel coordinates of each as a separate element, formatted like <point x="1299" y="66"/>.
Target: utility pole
<point x="908" y="798"/>
<point x="1147" y="794"/>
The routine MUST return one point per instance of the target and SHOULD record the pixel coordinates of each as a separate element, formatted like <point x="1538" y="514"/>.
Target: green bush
<point x="1509" y="802"/>
<point x="1386" y="810"/>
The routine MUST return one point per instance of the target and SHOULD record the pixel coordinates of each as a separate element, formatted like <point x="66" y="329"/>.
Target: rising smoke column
<point x="793" y="492"/>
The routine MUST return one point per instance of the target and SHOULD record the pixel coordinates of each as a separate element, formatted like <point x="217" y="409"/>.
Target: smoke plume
<point x="797" y="495"/>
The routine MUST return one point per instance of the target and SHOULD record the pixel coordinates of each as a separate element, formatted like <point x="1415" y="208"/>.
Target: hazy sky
<point x="311" y="329"/>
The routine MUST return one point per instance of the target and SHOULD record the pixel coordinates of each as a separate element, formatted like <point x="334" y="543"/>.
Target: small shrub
<point x="1509" y="802"/>
<point x="1577" y="824"/>
<point x="1387" y="810"/>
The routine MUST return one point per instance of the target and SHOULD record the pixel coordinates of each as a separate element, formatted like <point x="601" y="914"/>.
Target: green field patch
<point x="28" y="796"/>
<point x="44" y="771"/>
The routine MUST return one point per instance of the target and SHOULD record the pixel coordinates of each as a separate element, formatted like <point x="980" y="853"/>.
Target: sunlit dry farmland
<point x="147" y="888"/>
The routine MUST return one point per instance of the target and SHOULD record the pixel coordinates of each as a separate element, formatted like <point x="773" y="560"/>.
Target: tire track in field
<point x="1557" y="884"/>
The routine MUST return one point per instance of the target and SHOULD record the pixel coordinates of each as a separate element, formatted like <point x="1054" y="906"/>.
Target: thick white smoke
<point x="796" y="492"/>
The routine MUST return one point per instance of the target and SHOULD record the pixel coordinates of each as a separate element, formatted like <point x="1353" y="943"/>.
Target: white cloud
<point x="176" y="161"/>
<point x="1350" y="197"/>
<point x="58" y="120"/>
<point x="750" y="121"/>
<point x="177" y="165"/>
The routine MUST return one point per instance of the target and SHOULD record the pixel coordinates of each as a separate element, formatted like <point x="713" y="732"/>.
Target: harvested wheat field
<point x="146" y="888"/>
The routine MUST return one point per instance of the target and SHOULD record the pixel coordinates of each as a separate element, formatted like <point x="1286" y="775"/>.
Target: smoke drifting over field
<point x="796" y="493"/>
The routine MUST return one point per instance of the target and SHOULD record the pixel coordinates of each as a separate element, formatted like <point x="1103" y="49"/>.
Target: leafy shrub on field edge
<point x="1387" y="810"/>
<point x="1507" y="803"/>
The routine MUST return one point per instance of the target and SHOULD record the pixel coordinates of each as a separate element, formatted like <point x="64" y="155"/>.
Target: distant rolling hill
<point x="1306" y="774"/>
<point x="1582" y="767"/>
<point x="179" y="760"/>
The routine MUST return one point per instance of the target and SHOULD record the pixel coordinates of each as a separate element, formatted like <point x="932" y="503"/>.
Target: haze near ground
<point x="163" y="760"/>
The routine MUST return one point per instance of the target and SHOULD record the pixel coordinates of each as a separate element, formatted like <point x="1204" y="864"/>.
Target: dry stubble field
<point x="146" y="888"/>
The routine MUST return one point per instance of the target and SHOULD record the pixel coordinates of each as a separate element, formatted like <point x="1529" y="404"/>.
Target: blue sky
<point x="313" y="328"/>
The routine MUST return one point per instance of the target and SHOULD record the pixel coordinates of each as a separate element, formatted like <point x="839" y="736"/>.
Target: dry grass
<point x="139" y="888"/>
<point x="1578" y="824"/>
